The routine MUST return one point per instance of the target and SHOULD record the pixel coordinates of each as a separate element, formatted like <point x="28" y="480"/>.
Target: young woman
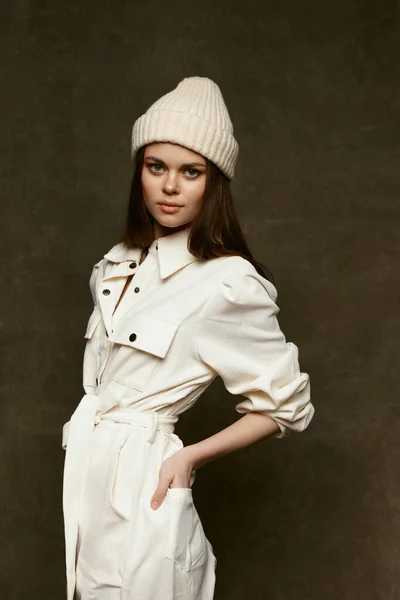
<point x="179" y="301"/>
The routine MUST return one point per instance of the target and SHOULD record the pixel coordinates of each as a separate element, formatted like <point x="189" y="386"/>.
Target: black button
<point x="137" y="290"/>
<point x="132" y="337"/>
<point x="133" y="265"/>
<point x="106" y="292"/>
<point x="156" y="246"/>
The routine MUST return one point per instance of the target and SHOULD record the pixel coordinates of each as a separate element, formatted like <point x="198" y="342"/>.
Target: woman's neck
<point x="161" y="231"/>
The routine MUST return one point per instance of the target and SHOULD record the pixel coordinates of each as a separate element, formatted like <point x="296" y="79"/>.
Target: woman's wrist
<point x="247" y="430"/>
<point x="194" y="455"/>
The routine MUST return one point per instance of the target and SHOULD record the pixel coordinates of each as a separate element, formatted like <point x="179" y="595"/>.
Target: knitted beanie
<point x="193" y="115"/>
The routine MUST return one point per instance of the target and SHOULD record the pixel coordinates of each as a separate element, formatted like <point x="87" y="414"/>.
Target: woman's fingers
<point x="161" y="490"/>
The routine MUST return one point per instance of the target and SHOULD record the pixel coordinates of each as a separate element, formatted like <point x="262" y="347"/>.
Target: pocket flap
<point x="145" y="332"/>
<point x="93" y="322"/>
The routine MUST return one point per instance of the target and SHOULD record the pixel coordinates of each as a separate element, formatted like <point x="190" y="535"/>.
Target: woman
<point x="177" y="302"/>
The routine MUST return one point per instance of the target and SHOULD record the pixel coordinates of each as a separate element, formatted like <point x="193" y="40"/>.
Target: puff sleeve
<point x="239" y="337"/>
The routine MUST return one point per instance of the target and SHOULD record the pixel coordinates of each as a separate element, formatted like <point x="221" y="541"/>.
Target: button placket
<point x="132" y="335"/>
<point x="143" y="274"/>
<point x="111" y="288"/>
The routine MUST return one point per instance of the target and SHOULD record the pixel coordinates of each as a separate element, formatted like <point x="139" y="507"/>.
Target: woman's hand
<point x="175" y="472"/>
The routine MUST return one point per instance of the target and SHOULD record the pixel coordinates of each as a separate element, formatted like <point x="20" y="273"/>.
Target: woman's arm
<point x="238" y="336"/>
<point x="176" y="470"/>
<point x="244" y="432"/>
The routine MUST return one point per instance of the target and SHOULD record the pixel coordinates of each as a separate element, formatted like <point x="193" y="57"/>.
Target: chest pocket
<point x="144" y="341"/>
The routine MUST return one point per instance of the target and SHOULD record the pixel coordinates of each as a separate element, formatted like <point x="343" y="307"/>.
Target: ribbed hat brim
<point x="191" y="131"/>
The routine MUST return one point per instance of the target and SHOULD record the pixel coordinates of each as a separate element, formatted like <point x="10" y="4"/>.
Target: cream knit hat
<point x="193" y="115"/>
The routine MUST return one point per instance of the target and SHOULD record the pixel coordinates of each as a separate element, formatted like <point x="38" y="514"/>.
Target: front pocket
<point x="143" y="331"/>
<point x="186" y="541"/>
<point x="145" y="340"/>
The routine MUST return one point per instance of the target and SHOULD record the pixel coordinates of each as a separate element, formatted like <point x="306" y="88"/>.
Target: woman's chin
<point x="171" y="221"/>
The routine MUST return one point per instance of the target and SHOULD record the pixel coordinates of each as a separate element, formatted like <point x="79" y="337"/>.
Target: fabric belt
<point x="76" y="439"/>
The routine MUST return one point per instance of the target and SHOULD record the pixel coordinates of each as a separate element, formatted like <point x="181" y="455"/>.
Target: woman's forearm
<point x="245" y="431"/>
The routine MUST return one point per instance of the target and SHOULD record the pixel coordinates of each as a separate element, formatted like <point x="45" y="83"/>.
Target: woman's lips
<point x="169" y="208"/>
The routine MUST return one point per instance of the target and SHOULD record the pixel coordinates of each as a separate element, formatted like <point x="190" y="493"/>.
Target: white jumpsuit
<point x="180" y="324"/>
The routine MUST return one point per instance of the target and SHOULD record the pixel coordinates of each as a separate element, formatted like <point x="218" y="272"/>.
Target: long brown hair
<point x="214" y="232"/>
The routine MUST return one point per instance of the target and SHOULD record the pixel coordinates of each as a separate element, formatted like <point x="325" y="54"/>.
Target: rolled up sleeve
<point x="239" y="337"/>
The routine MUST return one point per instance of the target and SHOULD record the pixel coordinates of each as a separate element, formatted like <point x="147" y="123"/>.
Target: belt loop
<point x="151" y="433"/>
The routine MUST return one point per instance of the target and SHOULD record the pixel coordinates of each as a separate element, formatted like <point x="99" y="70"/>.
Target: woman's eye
<point x="155" y="165"/>
<point x="157" y="168"/>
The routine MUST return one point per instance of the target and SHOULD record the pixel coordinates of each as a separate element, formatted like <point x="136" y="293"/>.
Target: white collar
<point x="172" y="252"/>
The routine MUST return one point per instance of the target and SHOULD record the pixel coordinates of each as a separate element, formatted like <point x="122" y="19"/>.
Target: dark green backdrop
<point x="312" y="89"/>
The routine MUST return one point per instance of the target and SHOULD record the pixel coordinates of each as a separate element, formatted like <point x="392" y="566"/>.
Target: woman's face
<point x="172" y="175"/>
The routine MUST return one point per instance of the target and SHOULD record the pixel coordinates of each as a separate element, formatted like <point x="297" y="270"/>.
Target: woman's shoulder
<point x="231" y="264"/>
<point x="121" y="252"/>
<point x="117" y="253"/>
<point x="237" y="277"/>
<point x="99" y="268"/>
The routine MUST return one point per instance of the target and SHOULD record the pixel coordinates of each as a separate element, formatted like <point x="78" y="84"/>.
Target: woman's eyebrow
<point x="194" y="164"/>
<point x="186" y="165"/>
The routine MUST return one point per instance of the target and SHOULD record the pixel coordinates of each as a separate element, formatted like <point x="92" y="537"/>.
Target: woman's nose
<point x="171" y="185"/>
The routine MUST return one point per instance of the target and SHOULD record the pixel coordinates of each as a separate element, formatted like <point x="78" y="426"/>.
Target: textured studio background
<point x="312" y="89"/>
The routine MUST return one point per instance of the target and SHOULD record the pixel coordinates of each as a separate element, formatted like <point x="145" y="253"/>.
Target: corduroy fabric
<point x="181" y="323"/>
<point x="193" y="115"/>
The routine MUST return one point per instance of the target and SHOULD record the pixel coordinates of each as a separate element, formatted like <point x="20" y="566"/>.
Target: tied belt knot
<point x="76" y="439"/>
